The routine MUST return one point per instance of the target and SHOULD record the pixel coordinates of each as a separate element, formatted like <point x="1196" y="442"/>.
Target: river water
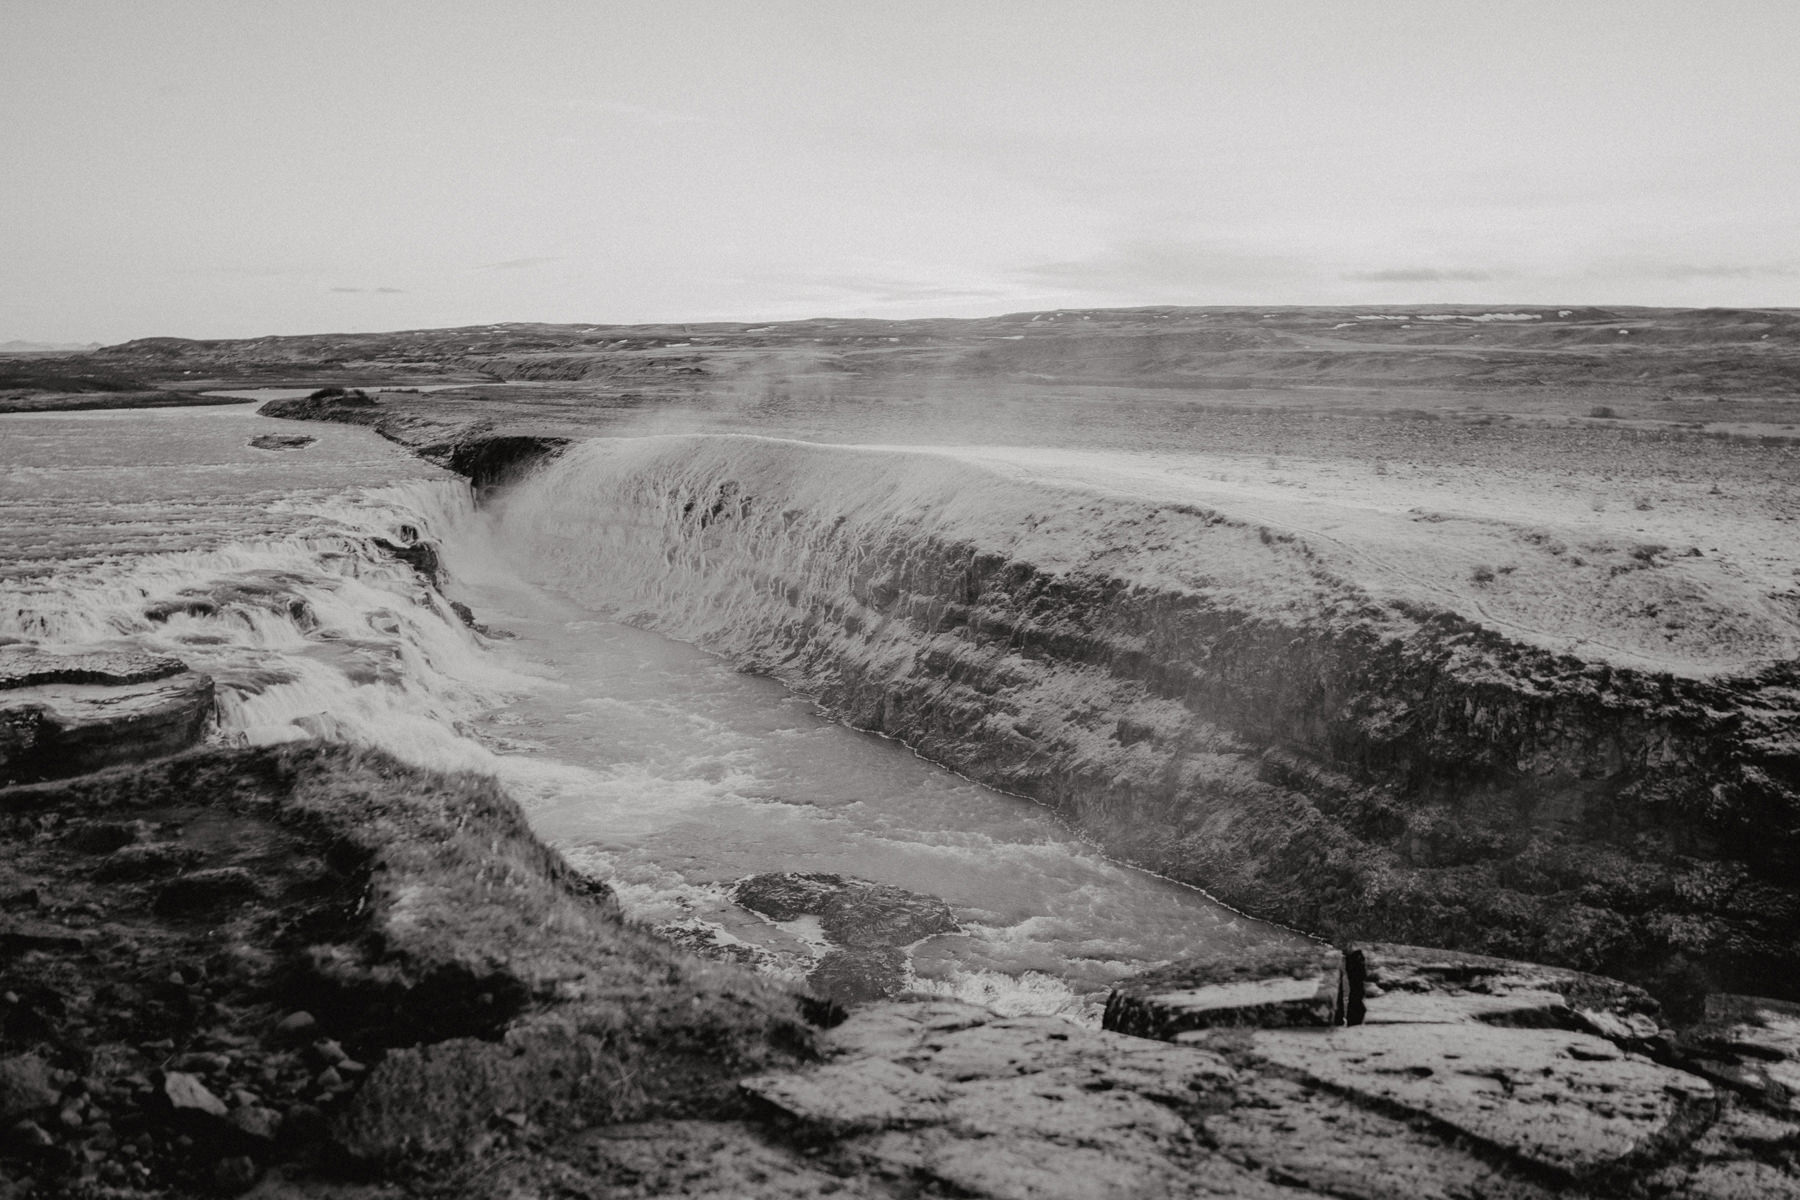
<point x="645" y="760"/>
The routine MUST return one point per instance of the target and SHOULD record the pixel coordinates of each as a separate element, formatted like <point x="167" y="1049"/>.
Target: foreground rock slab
<point x="1492" y="1078"/>
<point x="1562" y="1104"/>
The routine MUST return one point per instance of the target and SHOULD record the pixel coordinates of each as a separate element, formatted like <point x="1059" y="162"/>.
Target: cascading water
<point x="268" y="573"/>
<point x="652" y="763"/>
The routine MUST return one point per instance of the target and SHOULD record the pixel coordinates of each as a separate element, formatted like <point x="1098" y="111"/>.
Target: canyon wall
<point x="1208" y="698"/>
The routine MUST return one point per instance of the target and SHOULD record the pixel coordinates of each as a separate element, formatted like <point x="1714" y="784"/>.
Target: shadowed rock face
<point x="489" y="461"/>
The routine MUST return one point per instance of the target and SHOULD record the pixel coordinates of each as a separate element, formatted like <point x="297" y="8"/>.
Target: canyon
<point x="1369" y="623"/>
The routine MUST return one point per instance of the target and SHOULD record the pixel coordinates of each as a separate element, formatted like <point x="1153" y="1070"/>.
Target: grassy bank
<point x="316" y="955"/>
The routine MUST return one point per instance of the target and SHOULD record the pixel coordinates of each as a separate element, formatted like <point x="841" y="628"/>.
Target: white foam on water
<point x="1031" y="993"/>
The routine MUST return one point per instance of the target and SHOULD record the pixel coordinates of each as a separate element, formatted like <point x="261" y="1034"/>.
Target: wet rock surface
<point x="282" y="441"/>
<point x="868" y="924"/>
<point x="853" y="912"/>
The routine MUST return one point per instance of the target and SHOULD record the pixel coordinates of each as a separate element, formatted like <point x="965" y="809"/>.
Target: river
<point x="645" y="760"/>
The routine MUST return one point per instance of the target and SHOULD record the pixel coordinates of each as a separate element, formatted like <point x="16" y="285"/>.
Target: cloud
<point x="519" y="264"/>
<point x="876" y="289"/>
<point x="1717" y="271"/>
<point x="378" y="291"/>
<point x="1152" y="268"/>
<point x="1421" y="275"/>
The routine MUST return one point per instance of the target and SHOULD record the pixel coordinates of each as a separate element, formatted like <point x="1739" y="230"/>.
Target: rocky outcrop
<point x="943" y="1095"/>
<point x="867" y="923"/>
<point x="351" y="405"/>
<point x="489" y="460"/>
<point x="281" y="441"/>
<point x="476" y="450"/>
<point x="64" y="715"/>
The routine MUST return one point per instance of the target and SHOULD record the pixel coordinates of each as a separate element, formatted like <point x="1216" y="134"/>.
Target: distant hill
<point x="18" y="347"/>
<point x="1648" y="352"/>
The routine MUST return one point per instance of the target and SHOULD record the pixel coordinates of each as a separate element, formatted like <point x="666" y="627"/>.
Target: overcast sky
<point x="230" y="169"/>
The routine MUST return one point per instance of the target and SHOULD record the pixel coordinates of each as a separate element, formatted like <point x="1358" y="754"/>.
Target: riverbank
<point x="316" y="955"/>
<point x="312" y="971"/>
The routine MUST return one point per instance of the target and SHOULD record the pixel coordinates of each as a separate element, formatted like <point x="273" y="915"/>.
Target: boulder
<point x="1412" y="984"/>
<point x="868" y="923"/>
<point x="852" y="912"/>
<point x="1263" y="987"/>
<point x="860" y="973"/>
<point x="787" y="895"/>
<point x="186" y="1096"/>
<point x="281" y="441"/>
<point x="27" y="1086"/>
<point x="1383" y="984"/>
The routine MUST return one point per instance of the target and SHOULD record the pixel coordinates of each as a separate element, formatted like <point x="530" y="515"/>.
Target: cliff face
<point x="1208" y="699"/>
